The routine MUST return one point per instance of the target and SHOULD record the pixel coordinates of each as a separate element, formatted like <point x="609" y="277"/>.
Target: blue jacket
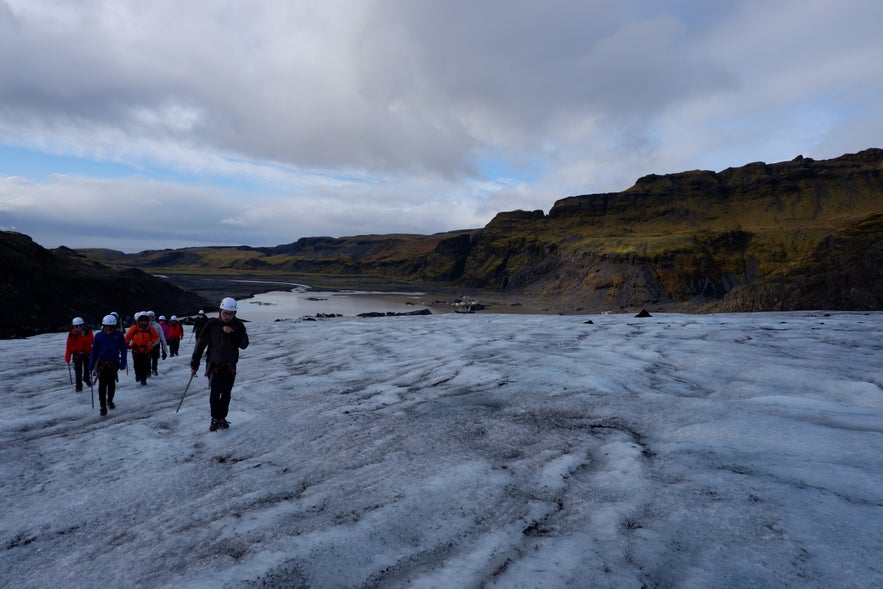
<point x="108" y="347"/>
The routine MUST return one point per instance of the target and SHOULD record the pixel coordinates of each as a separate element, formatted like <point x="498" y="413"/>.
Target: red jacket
<point x="141" y="339"/>
<point x="176" y="330"/>
<point x="78" y="342"/>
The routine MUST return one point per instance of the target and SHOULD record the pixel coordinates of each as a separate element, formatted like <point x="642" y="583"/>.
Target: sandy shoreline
<point x="438" y="297"/>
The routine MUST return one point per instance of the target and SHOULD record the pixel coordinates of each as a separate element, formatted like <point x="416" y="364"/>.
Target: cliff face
<point x="43" y="290"/>
<point x="844" y="271"/>
<point x="798" y="234"/>
<point x="757" y="237"/>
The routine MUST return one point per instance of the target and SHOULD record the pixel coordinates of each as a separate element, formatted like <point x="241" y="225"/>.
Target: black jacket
<point x="199" y="324"/>
<point x="223" y="348"/>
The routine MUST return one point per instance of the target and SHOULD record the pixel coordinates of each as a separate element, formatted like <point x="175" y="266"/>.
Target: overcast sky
<point x="142" y="125"/>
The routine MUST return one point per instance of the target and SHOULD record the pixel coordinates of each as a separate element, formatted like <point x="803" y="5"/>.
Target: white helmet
<point x="151" y="314"/>
<point x="77" y="321"/>
<point x="201" y="312"/>
<point x="109" y="320"/>
<point x="162" y="317"/>
<point x="228" y="304"/>
<point x="173" y="318"/>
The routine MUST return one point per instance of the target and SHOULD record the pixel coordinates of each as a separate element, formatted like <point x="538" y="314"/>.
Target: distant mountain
<point x="801" y="234"/>
<point x="43" y="290"/>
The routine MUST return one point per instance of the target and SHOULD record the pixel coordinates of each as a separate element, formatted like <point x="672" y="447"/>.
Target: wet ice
<point x="462" y="451"/>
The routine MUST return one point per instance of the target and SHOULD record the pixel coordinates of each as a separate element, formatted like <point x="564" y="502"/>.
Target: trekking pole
<point x="192" y="374"/>
<point x="71" y="376"/>
<point x="92" y="389"/>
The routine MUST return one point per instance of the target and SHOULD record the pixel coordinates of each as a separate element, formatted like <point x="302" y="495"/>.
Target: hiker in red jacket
<point x="79" y="346"/>
<point x="175" y="335"/>
<point x="141" y="338"/>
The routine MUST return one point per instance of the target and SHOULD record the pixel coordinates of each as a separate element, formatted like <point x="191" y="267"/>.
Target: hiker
<point x="199" y="323"/>
<point x="175" y="335"/>
<point x="141" y="338"/>
<point x="160" y="345"/>
<point x="224" y="337"/>
<point x="164" y="325"/>
<point x="79" y="345"/>
<point x="108" y="357"/>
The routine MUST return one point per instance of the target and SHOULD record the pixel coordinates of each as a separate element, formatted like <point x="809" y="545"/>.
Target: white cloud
<point x="362" y="103"/>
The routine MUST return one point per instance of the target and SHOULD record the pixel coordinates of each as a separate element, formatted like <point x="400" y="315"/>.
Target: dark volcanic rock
<point x="44" y="289"/>
<point x="395" y="314"/>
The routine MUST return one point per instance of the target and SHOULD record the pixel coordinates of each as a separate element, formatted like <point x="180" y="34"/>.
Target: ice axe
<point x="181" y="402"/>
<point x="71" y="376"/>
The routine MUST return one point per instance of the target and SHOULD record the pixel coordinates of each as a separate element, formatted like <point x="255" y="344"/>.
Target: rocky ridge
<point x="43" y="290"/>
<point x="802" y="234"/>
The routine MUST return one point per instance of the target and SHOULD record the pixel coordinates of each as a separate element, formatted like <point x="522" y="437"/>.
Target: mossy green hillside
<point x="687" y="238"/>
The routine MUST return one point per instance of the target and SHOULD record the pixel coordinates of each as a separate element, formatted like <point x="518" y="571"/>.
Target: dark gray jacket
<point x="223" y="348"/>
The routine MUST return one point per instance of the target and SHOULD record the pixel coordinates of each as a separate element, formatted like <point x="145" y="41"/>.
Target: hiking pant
<point x="174" y="344"/>
<point x="107" y="384"/>
<point x="141" y="364"/>
<point x="154" y="359"/>
<point x="221" y="380"/>
<point x="81" y="368"/>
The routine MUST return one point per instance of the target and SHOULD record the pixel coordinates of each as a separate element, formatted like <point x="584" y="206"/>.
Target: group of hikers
<point x="103" y="354"/>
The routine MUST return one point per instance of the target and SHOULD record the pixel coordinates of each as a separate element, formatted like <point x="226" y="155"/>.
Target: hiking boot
<point x="223" y="423"/>
<point x="79" y="389"/>
<point x="110" y="405"/>
<point x="143" y="381"/>
<point x="214" y="425"/>
<point x="103" y="411"/>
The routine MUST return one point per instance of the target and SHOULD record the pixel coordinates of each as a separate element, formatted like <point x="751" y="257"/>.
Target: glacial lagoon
<point x="300" y="302"/>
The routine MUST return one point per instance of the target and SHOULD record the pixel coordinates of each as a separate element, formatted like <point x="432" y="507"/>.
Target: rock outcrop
<point x="42" y="290"/>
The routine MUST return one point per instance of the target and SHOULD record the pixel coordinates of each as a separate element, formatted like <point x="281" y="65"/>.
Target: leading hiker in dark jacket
<point x="108" y="356"/>
<point x="223" y="337"/>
